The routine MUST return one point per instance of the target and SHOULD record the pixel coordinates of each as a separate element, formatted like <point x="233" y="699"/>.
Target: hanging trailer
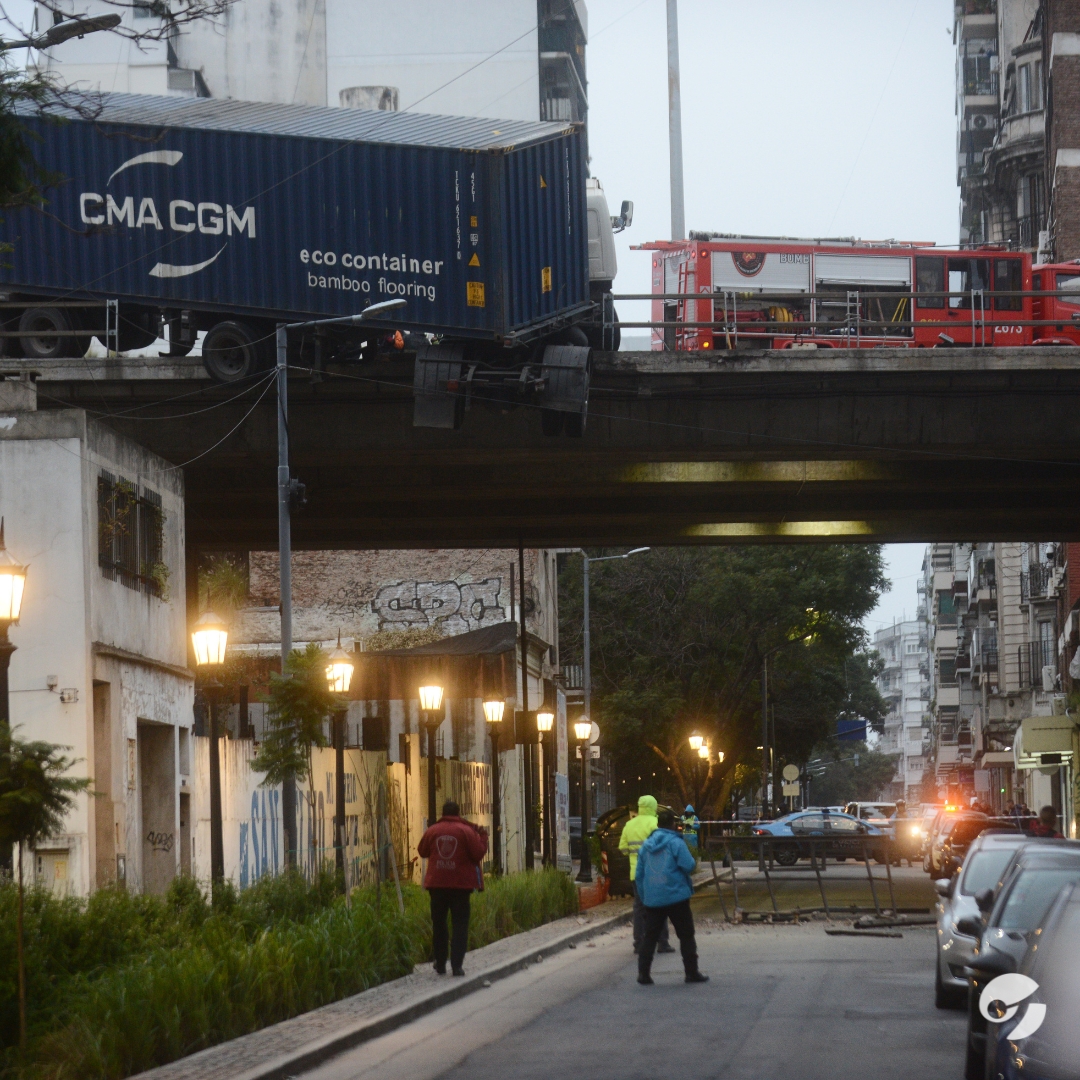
<point x="228" y="217"/>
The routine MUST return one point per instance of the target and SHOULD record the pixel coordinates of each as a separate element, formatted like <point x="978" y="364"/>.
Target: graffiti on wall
<point x="455" y="608"/>
<point x="259" y="837"/>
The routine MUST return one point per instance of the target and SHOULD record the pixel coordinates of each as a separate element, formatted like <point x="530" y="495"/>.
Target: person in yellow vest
<point x="634" y="834"/>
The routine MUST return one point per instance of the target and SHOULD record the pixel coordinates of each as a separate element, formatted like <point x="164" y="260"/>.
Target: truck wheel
<point x="232" y="351"/>
<point x="42" y="320"/>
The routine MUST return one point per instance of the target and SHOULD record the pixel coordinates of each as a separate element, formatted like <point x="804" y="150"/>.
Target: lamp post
<point x="209" y="639"/>
<point x="545" y="721"/>
<point x="64" y="31"/>
<point x="431" y="699"/>
<point x="12" y="584"/>
<point x="288" y="489"/>
<point x="493" y="714"/>
<point x="583" y="731"/>
<point x="339" y="674"/>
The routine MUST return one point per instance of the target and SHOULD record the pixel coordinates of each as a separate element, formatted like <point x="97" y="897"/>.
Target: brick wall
<point x="362" y="593"/>
<point x="1062" y="64"/>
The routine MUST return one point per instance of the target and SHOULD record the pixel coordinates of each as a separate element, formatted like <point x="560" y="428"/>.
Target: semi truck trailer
<point x="226" y="218"/>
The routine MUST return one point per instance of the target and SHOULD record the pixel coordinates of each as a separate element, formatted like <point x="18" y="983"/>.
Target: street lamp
<point x="545" y="723"/>
<point x="64" y="31"/>
<point x="339" y="674"/>
<point x="493" y="714"/>
<point x="431" y="698"/>
<point x="583" y="731"/>
<point x="288" y="489"/>
<point x="588" y="670"/>
<point x="12" y="583"/>
<point x="703" y="752"/>
<point x="696" y="740"/>
<point x="209" y="638"/>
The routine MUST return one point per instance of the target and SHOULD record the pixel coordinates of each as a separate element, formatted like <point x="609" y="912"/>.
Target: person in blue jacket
<point x="663" y="882"/>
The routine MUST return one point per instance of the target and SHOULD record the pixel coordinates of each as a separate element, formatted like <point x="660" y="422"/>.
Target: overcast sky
<point x="800" y="118"/>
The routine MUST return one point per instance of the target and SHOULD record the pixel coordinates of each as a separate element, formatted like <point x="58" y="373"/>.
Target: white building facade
<point x="512" y="59"/>
<point x="905" y="686"/>
<point x="100" y="666"/>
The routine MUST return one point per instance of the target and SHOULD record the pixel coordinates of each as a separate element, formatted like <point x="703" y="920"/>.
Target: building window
<point x="1029" y="87"/>
<point x="930" y="278"/>
<point x="131" y="535"/>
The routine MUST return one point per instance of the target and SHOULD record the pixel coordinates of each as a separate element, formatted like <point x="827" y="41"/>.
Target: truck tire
<point x="42" y="319"/>
<point x="233" y="350"/>
<point x="566" y="370"/>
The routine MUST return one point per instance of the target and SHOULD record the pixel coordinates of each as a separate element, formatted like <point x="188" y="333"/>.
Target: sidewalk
<point x="288" y="1048"/>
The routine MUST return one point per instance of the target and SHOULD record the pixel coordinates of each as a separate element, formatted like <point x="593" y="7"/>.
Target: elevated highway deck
<point x="878" y="444"/>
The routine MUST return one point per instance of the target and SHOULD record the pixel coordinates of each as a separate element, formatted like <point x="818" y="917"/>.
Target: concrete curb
<point x="319" y="1050"/>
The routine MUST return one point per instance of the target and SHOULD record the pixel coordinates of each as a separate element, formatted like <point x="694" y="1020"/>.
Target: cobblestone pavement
<point x="246" y="1055"/>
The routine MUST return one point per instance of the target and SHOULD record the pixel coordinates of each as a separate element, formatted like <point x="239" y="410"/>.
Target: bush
<point x="120" y="983"/>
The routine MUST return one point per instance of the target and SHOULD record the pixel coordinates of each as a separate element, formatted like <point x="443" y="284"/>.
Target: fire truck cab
<point x="737" y="292"/>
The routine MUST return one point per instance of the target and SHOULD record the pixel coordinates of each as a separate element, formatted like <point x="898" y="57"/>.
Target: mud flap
<point x="438" y="401"/>
<point x="565" y="396"/>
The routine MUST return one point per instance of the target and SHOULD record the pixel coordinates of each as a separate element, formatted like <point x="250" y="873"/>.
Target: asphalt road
<point x="784" y="1001"/>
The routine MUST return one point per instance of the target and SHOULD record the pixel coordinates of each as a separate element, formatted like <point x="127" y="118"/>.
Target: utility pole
<point x="678" y="213"/>
<point x="284" y="487"/>
<point x="527" y="745"/>
<point x="764" y="734"/>
<point x="287" y="488"/>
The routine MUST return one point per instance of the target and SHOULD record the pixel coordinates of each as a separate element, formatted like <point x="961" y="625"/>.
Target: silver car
<point x="989" y="854"/>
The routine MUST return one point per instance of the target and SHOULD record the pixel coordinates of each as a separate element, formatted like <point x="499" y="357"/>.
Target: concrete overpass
<point x="880" y="444"/>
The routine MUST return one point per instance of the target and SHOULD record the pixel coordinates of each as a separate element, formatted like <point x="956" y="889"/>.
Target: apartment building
<point x="512" y="59"/>
<point x="998" y="699"/>
<point x="905" y="684"/>
<point x="1000" y="112"/>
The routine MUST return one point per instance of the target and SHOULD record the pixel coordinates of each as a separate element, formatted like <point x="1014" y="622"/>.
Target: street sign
<point x="594" y="751"/>
<point x="791" y="791"/>
<point x="791" y="774"/>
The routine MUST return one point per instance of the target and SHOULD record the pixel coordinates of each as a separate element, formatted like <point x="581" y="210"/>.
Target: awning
<point x="998" y="758"/>
<point x="1043" y="741"/>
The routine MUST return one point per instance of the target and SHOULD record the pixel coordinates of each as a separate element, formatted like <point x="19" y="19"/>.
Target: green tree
<point x="680" y="636"/>
<point x="843" y="773"/>
<point x="300" y="701"/>
<point x="35" y="795"/>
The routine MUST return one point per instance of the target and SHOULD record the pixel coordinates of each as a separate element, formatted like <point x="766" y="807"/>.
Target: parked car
<point x="843" y="831"/>
<point x="964" y="832"/>
<point x="987" y="857"/>
<point x="876" y="813"/>
<point x="967" y="825"/>
<point x="1041" y="1038"/>
<point x="1034" y="876"/>
<point x="608" y="828"/>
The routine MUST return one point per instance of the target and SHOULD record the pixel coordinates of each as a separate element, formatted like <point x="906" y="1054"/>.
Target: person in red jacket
<point x="454" y="849"/>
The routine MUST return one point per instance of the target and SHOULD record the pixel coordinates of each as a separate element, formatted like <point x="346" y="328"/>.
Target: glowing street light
<point x="431" y="699"/>
<point x="209" y="639"/>
<point x="545" y="721"/>
<point x="583" y="731"/>
<point x="339" y="673"/>
<point x="696" y="741"/>
<point x="703" y="752"/>
<point x="493" y="714"/>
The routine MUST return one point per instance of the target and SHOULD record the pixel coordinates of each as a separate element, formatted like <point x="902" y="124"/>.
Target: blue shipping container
<point x="292" y="212"/>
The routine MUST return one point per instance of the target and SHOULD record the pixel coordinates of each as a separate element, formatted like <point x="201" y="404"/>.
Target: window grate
<point x="131" y="535"/>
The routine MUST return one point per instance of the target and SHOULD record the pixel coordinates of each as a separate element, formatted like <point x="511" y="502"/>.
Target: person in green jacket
<point x="634" y="834"/>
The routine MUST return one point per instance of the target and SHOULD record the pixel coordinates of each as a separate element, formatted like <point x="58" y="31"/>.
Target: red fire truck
<point x="734" y="292"/>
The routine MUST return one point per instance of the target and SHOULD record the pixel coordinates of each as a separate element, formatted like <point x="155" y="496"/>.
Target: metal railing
<point x="1035" y="584"/>
<point x="715" y="837"/>
<point x="976" y="315"/>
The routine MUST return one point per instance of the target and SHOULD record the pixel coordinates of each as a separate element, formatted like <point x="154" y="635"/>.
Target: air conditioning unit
<point x="1049" y="678"/>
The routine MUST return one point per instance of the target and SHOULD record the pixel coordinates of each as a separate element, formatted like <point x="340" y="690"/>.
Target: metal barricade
<point x="727" y="837"/>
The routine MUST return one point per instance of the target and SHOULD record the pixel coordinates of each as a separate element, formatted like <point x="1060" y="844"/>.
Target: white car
<point x="987" y="857"/>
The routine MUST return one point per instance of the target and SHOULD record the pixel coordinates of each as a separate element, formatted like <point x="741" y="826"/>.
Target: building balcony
<point x="948" y="697"/>
<point x="1036" y="583"/>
